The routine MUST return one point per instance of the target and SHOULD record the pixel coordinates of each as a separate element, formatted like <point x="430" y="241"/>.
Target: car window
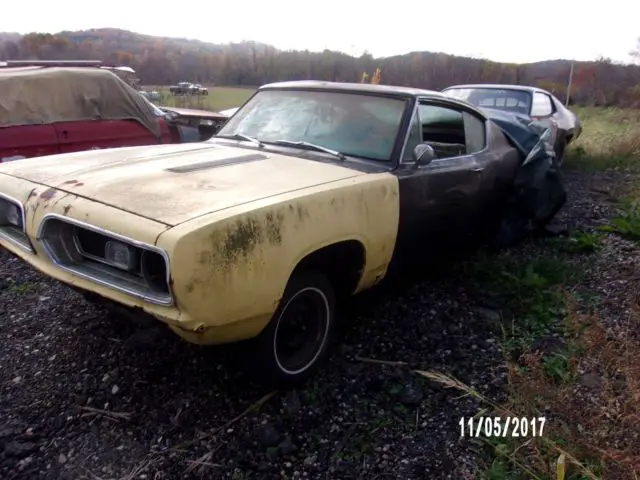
<point x="352" y="123"/>
<point x="449" y="131"/>
<point x="542" y="106"/>
<point x="512" y="100"/>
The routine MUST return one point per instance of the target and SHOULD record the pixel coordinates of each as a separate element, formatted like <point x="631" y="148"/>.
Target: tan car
<point x="306" y="195"/>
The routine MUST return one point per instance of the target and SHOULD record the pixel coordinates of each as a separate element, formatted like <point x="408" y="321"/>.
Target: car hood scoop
<point x="175" y="183"/>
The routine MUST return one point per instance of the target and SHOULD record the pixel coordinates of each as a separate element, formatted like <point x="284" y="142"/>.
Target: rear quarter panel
<point x="27" y="141"/>
<point x="87" y="135"/>
<point x="233" y="265"/>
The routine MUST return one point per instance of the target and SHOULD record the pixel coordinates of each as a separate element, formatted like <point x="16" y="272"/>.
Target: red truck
<point x="51" y="107"/>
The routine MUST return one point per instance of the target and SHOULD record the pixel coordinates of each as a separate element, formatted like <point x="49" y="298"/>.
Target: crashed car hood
<point x="175" y="183"/>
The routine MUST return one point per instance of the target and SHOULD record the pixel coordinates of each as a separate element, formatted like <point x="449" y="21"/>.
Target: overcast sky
<point x="494" y="29"/>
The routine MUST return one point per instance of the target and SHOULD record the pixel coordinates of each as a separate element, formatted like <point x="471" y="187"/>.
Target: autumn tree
<point x="163" y="61"/>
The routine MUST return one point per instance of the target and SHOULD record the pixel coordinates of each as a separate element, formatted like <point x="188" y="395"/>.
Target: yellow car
<point x="306" y="195"/>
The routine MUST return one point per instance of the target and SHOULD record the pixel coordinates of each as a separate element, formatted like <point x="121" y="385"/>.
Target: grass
<point x="562" y="362"/>
<point x="219" y="98"/>
<point x="552" y="336"/>
<point x="610" y="139"/>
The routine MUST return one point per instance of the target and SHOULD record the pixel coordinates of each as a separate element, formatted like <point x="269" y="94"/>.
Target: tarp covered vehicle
<point x="46" y="110"/>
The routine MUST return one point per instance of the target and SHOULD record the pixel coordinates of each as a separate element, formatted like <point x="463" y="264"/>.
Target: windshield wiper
<point x="241" y="136"/>
<point x="310" y="146"/>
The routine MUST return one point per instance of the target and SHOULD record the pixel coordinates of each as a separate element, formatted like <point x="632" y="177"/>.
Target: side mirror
<point x="423" y="154"/>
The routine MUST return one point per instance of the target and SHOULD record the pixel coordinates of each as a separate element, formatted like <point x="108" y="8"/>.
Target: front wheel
<point x="295" y="342"/>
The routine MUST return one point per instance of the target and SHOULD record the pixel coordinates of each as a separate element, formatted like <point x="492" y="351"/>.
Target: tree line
<point x="164" y="61"/>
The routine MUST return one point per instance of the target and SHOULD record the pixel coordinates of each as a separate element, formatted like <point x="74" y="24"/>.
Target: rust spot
<point x="32" y="193"/>
<point x="242" y="238"/>
<point x="302" y="212"/>
<point x="273" y="227"/>
<point x="67" y="208"/>
<point x="48" y="194"/>
<point x="68" y="182"/>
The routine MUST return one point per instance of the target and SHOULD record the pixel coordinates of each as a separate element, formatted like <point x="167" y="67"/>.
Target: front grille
<point x="13" y="230"/>
<point x="83" y="249"/>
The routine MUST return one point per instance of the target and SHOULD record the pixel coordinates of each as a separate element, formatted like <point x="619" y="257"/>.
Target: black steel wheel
<point x="295" y="342"/>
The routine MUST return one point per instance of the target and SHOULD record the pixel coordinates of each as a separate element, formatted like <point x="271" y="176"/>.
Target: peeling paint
<point x="48" y="194"/>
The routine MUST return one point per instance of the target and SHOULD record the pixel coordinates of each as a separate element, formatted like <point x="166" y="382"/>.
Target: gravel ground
<point x="86" y="395"/>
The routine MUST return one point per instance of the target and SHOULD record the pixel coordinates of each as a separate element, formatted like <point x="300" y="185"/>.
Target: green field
<point x="610" y="139"/>
<point x="219" y="98"/>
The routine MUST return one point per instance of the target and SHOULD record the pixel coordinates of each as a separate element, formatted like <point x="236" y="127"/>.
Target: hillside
<point x="162" y="60"/>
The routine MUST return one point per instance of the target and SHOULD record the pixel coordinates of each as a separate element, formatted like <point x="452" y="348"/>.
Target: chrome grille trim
<point x="9" y="233"/>
<point x="127" y="286"/>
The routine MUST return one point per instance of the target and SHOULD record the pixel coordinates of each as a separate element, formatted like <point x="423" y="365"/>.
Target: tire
<point x="280" y="364"/>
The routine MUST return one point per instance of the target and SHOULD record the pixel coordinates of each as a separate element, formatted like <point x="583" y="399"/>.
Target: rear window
<point x="503" y="99"/>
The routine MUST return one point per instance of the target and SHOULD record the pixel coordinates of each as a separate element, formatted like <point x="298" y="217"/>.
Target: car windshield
<point x="499" y="98"/>
<point x="354" y="124"/>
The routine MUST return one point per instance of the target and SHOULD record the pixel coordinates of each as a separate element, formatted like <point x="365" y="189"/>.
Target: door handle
<point x="477" y="169"/>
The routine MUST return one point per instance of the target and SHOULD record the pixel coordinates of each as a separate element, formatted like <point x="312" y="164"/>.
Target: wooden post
<point x="566" y="103"/>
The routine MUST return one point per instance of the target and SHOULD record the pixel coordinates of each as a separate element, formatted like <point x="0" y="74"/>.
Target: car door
<point x="439" y="200"/>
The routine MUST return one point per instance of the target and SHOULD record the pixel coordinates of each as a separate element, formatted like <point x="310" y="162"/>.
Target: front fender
<point x="233" y="265"/>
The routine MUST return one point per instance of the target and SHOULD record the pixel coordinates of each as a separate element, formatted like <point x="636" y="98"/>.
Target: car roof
<point x="500" y="86"/>
<point x="352" y="87"/>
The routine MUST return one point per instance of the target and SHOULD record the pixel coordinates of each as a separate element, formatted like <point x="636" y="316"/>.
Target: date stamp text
<point x="501" y="427"/>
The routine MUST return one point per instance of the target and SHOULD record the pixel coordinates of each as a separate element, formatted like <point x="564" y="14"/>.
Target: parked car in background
<point x="198" y="89"/>
<point x="310" y="193"/>
<point x="50" y="110"/>
<point x="188" y="88"/>
<point x="532" y="102"/>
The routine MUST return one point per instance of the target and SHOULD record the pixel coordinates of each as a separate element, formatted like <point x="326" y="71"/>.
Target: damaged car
<point x="309" y="194"/>
<point x="533" y="102"/>
<point x="47" y="110"/>
<point x="202" y="124"/>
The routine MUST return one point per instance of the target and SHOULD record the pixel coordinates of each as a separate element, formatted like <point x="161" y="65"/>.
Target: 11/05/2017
<point x="501" y="427"/>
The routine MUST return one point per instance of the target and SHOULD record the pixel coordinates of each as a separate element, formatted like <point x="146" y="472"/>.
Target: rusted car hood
<point x="175" y="183"/>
